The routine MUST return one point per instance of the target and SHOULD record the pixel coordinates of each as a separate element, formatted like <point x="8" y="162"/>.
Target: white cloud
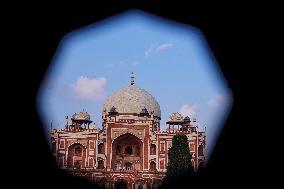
<point x="164" y="46"/>
<point x="90" y="88"/>
<point x="149" y="51"/>
<point x="220" y="99"/>
<point x="156" y="49"/>
<point x="188" y="110"/>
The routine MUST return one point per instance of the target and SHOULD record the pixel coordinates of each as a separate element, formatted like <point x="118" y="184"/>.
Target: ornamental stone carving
<point x="176" y="117"/>
<point x="81" y="116"/>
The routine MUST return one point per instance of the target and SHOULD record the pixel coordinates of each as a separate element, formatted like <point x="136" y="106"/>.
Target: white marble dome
<point x="132" y="100"/>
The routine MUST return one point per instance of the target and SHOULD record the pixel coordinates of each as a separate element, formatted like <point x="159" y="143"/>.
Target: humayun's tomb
<point x="129" y="150"/>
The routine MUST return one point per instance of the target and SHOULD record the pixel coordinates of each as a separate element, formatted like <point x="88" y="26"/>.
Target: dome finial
<point x="132" y="79"/>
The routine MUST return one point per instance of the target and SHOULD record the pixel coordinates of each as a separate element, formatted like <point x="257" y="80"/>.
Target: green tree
<point x="179" y="157"/>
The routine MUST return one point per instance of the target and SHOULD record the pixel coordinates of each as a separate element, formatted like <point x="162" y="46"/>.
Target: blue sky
<point x="171" y="61"/>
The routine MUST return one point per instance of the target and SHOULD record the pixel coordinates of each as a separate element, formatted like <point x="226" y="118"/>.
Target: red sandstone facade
<point x="129" y="151"/>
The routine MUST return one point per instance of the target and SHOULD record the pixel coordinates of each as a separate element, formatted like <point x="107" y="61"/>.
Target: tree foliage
<point x="179" y="156"/>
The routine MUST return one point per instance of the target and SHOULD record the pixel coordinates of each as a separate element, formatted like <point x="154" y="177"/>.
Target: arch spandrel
<point x="116" y="133"/>
<point x="70" y="143"/>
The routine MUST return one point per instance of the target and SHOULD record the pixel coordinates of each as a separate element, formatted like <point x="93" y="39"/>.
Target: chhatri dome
<point x="132" y="99"/>
<point x="83" y="116"/>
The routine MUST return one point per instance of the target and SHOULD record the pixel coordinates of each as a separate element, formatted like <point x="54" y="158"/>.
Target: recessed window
<point x="77" y="165"/>
<point x="153" y="149"/>
<point x="100" y="164"/>
<point x="101" y="148"/>
<point x="128" y="150"/>
<point x="128" y="166"/>
<point x="162" y="147"/>
<point x="152" y="166"/>
<point x="61" y="144"/>
<point x="78" y="151"/>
